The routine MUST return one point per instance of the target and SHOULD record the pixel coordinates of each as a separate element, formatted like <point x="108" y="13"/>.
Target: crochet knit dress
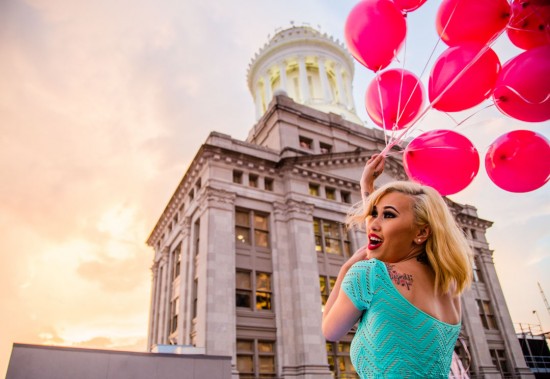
<point x="394" y="338"/>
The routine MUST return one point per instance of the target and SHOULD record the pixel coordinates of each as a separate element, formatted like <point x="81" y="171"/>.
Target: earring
<point x="419" y="240"/>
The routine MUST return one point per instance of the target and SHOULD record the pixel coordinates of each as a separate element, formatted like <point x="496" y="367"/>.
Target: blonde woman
<point x="404" y="285"/>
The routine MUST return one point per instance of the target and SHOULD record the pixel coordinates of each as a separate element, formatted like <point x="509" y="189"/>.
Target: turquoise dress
<point x="394" y="338"/>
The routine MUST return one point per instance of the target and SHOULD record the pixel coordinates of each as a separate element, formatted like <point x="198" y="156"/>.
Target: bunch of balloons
<point x="467" y="73"/>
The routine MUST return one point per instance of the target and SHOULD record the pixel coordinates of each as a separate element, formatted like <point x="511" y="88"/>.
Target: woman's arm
<point x="340" y="314"/>
<point x="373" y="169"/>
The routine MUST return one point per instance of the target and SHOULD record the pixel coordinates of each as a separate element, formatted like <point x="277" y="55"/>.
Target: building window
<point x="346" y="197"/>
<point x="339" y="360"/>
<point x="176" y="261"/>
<point x="331" y="237"/>
<point x="197" y="233"/>
<point x="245" y="281"/>
<point x="330" y="193"/>
<point x="325" y="148"/>
<point x="174" y="311"/>
<point x="253" y="180"/>
<point x="191" y="194"/>
<point x="250" y="224"/>
<point x="326" y="284"/>
<point x="195" y="299"/>
<point x="198" y="184"/>
<point x="268" y="184"/>
<point x="486" y="314"/>
<point x="306" y="143"/>
<point x="255" y="358"/>
<point x="237" y="177"/>
<point x="314" y="189"/>
<point x="478" y="277"/>
<point x="474" y="234"/>
<point x="499" y="360"/>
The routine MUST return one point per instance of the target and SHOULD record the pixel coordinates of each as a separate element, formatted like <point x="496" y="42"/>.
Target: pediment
<point x="349" y="165"/>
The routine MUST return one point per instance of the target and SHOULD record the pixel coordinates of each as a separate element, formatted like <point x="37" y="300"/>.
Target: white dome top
<point x="312" y="68"/>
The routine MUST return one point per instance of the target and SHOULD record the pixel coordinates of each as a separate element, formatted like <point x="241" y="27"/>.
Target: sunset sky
<point x="104" y="103"/>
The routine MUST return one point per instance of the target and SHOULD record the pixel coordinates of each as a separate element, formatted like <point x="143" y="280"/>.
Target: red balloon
<point x="461" y="21"/>
<point x="454" y="88"/>
<point x="522" y="90"/>
<point x="442" y="159"/>
<point x="374" y="32"/>
<point x="394" y="98"/>
<point x="529" y="25"/>
<point x="408" y="5"/>
<point x="519" y="161"/>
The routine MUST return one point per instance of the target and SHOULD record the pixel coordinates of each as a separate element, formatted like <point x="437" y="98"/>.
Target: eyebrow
<point x="391" y="207"/>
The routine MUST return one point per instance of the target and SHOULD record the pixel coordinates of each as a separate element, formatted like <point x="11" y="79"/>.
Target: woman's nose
<point x="373" y="224"/>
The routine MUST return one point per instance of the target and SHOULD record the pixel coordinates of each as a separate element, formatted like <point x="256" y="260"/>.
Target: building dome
<point x="312" y="68"/>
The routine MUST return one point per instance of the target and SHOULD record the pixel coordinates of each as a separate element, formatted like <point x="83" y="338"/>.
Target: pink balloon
<point x="374" y="32"/>
<point x="519" y="161"/>
<point x="442" y="159"/>
<point x="522" y="90"/>
<point x="462" y="21"/>
<point x="529" y="25"/>
<point x="408" y="5"/>
<point x="454" y="87"/>
<point x="394" y="98"/>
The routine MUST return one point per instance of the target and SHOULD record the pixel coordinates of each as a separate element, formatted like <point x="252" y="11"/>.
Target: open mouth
<point x="374" y="242"/>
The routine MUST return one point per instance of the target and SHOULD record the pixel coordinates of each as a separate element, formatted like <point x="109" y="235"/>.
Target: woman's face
<point x="391" y="231"/>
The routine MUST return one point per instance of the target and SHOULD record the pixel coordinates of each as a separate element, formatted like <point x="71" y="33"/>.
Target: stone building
<point x="252" y="239"/>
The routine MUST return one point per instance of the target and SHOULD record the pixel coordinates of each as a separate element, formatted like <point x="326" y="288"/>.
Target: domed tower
<point x="312" y="68"/>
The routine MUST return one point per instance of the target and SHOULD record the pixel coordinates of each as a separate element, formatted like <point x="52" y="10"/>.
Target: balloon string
<point x="378" y="80"/>
<point x="515" y="92"/>
<point x="467" y="118"/>
<point x="447" y="87"/>
<point x="413" y="123"/>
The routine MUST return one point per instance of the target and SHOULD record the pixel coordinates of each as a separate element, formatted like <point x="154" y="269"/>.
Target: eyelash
<point x="374" y="214"/>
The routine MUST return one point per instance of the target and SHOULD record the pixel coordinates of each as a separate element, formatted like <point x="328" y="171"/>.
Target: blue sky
<point x="103" y="104"/>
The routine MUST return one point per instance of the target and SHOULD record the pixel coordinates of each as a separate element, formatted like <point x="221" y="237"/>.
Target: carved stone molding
<point x="217" y="198"/>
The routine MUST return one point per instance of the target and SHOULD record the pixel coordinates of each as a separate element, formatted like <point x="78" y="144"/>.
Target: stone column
<point x="340" y="84"/>
<point x="186" y="282"/>
<point x="282" y="75"/>
<point x="327" y="97"/>
<point x="304" y="85"/>
<point x="218" y="240"/>
<point x="303" y="352"/>
<point x="151" y="339"/>
<point x="514" y="354"/>
<point x="267" y="88"/>
<point x="259" y="102"/>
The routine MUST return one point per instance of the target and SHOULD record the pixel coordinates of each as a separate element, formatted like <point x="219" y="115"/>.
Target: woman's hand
<point x="360" y="255"/>
<point x="373" y="169"/>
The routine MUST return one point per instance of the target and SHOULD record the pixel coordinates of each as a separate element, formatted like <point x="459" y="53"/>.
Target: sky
<point x="103" y="105"/>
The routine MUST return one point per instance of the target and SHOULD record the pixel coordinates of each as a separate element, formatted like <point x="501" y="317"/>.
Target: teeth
<point x="375" y="239"/>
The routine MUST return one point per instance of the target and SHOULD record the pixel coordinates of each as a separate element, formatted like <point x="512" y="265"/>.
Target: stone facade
<point x="248" y="244"/>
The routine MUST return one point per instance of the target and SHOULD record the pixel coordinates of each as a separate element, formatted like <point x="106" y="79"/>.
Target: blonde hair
<point x="447" y="249"/>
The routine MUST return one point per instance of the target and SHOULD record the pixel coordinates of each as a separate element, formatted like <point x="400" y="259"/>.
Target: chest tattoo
<point x="404" y="280"/>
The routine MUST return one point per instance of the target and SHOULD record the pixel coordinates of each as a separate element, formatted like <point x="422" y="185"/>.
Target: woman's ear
<point x="423" y="234"/>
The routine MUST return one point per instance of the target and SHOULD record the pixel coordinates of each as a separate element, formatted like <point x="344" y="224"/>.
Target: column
<point x="282" y="76"/>
<point x="297" y="282"/>
<point x="514" y="354"/>
<point x="259" y="102"/>
<point x="218" y="241"/>
<point x="304" y="85"/>
<point x="324" y="80"/>
<point x="267" y="88"/>
<point x="340" y="84"/>
<point x="151" y="339"/>
<point x="184" y="322"/>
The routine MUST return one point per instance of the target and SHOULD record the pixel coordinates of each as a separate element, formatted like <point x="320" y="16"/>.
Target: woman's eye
<point x="374" y="214"/>
<point x="389" y="215"/>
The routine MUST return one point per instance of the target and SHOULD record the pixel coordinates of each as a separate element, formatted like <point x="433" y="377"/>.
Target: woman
<point x="404" y="285"/>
